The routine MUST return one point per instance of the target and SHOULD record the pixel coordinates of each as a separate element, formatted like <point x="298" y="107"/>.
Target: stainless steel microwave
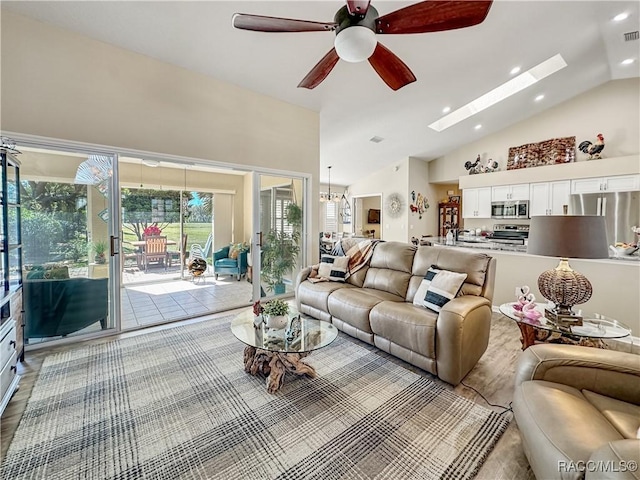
<point x="513" y="209"/>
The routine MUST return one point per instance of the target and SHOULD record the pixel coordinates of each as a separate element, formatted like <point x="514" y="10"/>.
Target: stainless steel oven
<point x="514" y="209"/>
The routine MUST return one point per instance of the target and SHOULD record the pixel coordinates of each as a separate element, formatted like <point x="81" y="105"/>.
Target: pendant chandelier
<point x="328" y="196"/>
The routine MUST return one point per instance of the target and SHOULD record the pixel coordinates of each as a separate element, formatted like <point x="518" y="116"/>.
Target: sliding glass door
<point x="68" y="244"/>
<point x="279" y="202"/>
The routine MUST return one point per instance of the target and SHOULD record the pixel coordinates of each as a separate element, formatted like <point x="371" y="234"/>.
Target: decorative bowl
<point x="622" y="251"/>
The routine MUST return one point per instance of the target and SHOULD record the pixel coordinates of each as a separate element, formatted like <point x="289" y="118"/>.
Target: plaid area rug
<point x="178" y="404"/>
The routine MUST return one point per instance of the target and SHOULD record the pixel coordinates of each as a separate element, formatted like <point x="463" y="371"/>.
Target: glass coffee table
<point x="274" y="353"/>
<point x="594" y="329"/>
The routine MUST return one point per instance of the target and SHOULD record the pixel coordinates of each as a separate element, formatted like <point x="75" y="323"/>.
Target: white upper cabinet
<point x="549" y="198"/>
<point x="510" y="192"/>
<point x="619" y="183"/>
<point x="476" y="202"/>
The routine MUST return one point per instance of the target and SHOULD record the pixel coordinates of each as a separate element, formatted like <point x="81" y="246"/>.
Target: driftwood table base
<point x="275" y="365"/>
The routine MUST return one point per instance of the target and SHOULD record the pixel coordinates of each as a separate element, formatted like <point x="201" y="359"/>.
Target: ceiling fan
<point x="356" y="25"/>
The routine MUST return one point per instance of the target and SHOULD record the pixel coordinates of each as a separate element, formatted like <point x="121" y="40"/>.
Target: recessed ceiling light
<point x="515" y="70"/>
<point x="511" y="87"/>
<point x="539" y="97"/>
<point x="446" y="109"/>
<point x="620" y="17"/>
<point x="478" y="127"/>
<point x="628" y="61"/>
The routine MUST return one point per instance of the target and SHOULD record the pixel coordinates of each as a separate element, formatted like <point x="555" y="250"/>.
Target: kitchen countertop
<point x="483" y="243"/>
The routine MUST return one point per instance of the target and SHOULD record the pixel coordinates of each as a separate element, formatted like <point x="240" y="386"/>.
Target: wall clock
<point x="394" y="205"/>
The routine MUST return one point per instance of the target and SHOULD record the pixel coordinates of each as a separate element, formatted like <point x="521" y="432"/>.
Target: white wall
<point x="419" y="182"/>
<point x="67" y="86"/>
<point x="611" y="109"/>
<point x="386" y="181"/>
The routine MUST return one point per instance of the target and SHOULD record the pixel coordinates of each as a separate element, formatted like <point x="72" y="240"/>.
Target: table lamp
<point x="566" y="236"/>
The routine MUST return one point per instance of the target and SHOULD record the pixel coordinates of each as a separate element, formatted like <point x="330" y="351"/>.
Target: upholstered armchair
<point x="228" y="262"/>
<point x="578" y="411"/>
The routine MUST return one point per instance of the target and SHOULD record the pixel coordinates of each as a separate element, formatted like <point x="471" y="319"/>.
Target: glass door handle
<point x="113" y="241"/>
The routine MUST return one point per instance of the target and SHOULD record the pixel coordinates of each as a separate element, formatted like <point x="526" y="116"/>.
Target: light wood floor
<point x="493" y="377"/>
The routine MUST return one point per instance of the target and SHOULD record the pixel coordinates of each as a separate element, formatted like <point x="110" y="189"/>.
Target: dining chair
<point x="155" y="250"/>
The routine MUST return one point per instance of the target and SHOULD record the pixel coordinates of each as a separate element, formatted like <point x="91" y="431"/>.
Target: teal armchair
<point x="224" y="265"/>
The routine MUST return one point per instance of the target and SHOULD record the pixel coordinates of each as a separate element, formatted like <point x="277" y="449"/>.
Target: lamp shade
<point x="568" y="236"/>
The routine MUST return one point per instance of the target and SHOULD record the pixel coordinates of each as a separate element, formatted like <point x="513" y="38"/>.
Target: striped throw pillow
<point x="444" y="286"/>
<point x="419" y="297"/>
<point x="334" y="268"/>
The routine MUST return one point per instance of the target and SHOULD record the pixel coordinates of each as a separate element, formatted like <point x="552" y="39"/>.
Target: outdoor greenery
<point x="54" y="220"/>
<point x="100" y="249"/>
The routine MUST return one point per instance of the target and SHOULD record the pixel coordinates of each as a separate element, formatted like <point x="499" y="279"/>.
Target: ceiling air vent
<point x="376" y="139"/>
<point x="628" y="37"/>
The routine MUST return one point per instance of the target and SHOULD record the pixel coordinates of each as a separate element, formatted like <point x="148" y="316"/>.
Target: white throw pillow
<point x="444" y="286"/>
<point x="419" y="297"/>
<point x="334" y="268"/>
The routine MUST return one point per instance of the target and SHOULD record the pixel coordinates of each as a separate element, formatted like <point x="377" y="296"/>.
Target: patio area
<point x="172" y="300"/>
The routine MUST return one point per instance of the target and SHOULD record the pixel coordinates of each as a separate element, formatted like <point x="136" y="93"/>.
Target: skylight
<point x="507" y="89"/>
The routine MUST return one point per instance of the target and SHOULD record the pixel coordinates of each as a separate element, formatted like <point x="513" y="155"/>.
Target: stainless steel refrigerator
<point x="621" y="211"/>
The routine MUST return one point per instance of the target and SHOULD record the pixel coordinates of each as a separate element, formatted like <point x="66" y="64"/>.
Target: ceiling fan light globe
<point x="355" y="44"/>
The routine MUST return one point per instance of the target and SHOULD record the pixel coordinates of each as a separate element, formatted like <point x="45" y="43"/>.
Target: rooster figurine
<point x="473" y="167"/>
<point x="592" y="149"/>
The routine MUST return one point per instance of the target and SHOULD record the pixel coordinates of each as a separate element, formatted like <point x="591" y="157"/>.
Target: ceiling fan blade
<point x="433" y="16"/>
<point x="391" y="69"/>
<point x="260" y="23"/>
<point x="358" y="7"/>
<point x="320" y="71"/>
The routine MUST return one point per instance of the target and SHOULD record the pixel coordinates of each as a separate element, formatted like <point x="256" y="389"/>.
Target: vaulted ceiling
<point x="452" y="68"/>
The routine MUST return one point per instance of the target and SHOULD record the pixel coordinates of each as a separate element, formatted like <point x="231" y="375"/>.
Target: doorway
<point x="368" y="216"/>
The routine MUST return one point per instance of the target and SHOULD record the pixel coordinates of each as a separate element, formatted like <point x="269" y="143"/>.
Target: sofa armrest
<point x="462" y="336"/>
<point x="611" y="373"/>
<point x="621" y="457"/>
<point x="302" y="276"/>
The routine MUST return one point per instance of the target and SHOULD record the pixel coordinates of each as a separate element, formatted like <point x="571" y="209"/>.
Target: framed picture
<point x="454" y="198"/>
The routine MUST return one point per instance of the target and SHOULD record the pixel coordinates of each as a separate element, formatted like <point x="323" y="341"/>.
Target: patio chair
<point x="155" y="250"/>
<point x="182" y="251"/>
<point x="205" y="252"/>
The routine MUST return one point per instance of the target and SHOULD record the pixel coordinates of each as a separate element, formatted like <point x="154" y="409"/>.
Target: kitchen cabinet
<point x="510" y="192"/>
<point x="11" y="311"/>
<point x="619" y="183"/>
<point x="549" y="198"/>
<point x="476" y="202"/>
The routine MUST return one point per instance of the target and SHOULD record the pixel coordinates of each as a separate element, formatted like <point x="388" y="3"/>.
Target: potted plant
<point x="275" y="314"/>
<point x="279" y="257"/>
<point x="100" y="249"/>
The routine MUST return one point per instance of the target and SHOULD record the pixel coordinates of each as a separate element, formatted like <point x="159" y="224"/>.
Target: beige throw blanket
<point x="359" y="252"/>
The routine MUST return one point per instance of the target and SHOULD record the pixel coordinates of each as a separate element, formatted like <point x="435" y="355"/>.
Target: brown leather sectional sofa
<point x="375" y="305"/>
<point x="578" y="412"/>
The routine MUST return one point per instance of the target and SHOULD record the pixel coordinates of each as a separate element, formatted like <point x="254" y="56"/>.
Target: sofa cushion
<point x="406" y="325"/>
<point x="333" y="267"/>
<point x="557" y="423"/>
<point x="475" y="265"/>
<point x="316" y="295"/>
<point x="227" y="262"/>
<point x="444" y="286"/>
<point x="421" y="293"/>
<point x="625" y="417"/>
<point x="353" y="305"/>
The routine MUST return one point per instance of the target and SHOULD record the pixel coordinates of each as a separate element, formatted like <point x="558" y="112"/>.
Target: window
<point x="273" y="208"/>
<point x="331" y="217"/>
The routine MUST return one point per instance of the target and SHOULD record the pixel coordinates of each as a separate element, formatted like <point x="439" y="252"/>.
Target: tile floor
<point x="178" y="299"/>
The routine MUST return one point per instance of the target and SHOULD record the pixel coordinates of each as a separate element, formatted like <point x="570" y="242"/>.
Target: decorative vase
<point x="277" y="322"/>
<point x="279" y="288"/>
<point x="100" y="259"/>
